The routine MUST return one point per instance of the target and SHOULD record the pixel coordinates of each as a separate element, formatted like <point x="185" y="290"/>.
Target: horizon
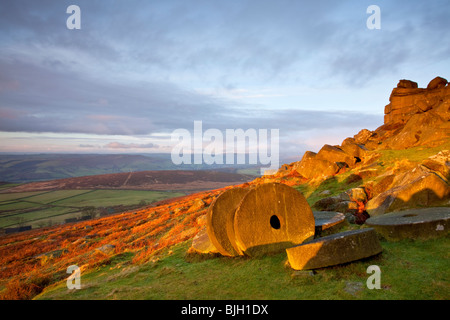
<point x="133" y="73"/>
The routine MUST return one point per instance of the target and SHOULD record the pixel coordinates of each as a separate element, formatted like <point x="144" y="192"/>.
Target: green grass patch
<point x="58" y="195"/>
<point x="53" y="207"/>
<point x="415" y="154"/>
<point x="409" y="270"/>
<point x="4" y="197"/>
<point x="109" y="198"/>
<point x="37" y="217"/>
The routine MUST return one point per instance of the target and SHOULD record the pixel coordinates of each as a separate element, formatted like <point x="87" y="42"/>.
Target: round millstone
<point x="272" y="217"/>
<point x="334" y="249"/>
<point x="220" y="221"/>
<point x="422" y="224"/>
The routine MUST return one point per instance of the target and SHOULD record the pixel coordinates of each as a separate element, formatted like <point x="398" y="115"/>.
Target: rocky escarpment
<point x="415" y="117"/>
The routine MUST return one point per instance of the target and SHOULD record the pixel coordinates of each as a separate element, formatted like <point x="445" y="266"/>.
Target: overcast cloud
<point x="145" y="68"/>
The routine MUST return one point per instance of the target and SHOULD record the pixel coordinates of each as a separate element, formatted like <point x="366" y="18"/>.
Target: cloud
<point x="136" y="69"/>
<point x="118" y="145"/>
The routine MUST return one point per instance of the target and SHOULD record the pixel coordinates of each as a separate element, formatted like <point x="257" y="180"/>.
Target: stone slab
<point x="334" y="249"/>
<point x="423" y="223"/>
<point x="272" y="217"/>
<point x="220" y="221"/>
<point x="326" y="222"/>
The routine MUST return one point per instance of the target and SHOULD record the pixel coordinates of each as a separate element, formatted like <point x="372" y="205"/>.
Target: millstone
<point x="412" y="224"/>
<point x="334" y="249"/>
<point x="220" y="221"/>
<point x="328" y="221"/>
<point x="272" y="217"/>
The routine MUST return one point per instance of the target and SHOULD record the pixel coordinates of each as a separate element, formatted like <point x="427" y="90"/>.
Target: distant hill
<point x="40" y="167"/>
<point x="142" y="180"/>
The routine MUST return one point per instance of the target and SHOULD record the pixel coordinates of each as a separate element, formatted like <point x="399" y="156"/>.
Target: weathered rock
<point x="356" y="194"/>
<point x="345" y="202"/>
<point x="202" y="243"/>
<point x="107" y="249"/>
<point x="325" y="204"/>
<point x="312" y="167"/>
<point x="383" y="184"/>
<point x="407" y="100"/>
<point x="51" y="254"/>
<point x="334" y="249"/>
<point x="407" y="84"/>
<point x="437" y="83"/>
<point x="353" y="288"/>
<point x="220" y="221"/>
<point x="198" y="204"/>
<point x="272" y="217"/>
<point x="358" y="151"/>
<point x="418" y="187"/>
<point x="335" y="154"/>
<point x="362" y="136"/>
<point x="424" y="223"/>
<point x="439" y="163"/>
<point x="427" y="128"/>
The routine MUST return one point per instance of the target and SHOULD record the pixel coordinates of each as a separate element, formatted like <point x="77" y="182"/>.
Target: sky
<point x="138" y="70"/>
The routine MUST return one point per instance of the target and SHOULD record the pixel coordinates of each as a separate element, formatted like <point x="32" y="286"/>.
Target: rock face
<point x="425" y="185"/>
<point x="414" y="117"/>
<point x="424" y="111"/>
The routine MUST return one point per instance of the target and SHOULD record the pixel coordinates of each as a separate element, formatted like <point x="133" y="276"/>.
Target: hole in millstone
<point x="357" y="159"/>
<point x="275" y="222"/>
<point x="409" y="215"/>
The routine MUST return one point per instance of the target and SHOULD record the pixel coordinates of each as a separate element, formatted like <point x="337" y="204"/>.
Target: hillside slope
<point x="141" y="180"/>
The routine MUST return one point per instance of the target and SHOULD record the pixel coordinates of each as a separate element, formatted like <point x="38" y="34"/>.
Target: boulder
<point x="201" y="243"/>
<point x="362" y="136"/>
<point x="418" y="187"/>
<point x="350" y="147"/>
<point x="439" y="163"/>
<point x="345" y="202"/>
<point x="407" y="84"/>
<point x="335" y="154"/>
<point x="311" y="167"/>
<point x="437" y="83"/>
<point x="107" y="249"/>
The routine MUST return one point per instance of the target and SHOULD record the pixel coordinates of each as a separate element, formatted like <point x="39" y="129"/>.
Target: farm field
<point x="40" y="209"/>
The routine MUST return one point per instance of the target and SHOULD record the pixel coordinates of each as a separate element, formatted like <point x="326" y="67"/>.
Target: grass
<point x="410" y="270"/>
<point x="117" y="197"/>
<point x="334" y="184"/>
<point x="415" y="154"/>
<point x="53" y="207"/>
